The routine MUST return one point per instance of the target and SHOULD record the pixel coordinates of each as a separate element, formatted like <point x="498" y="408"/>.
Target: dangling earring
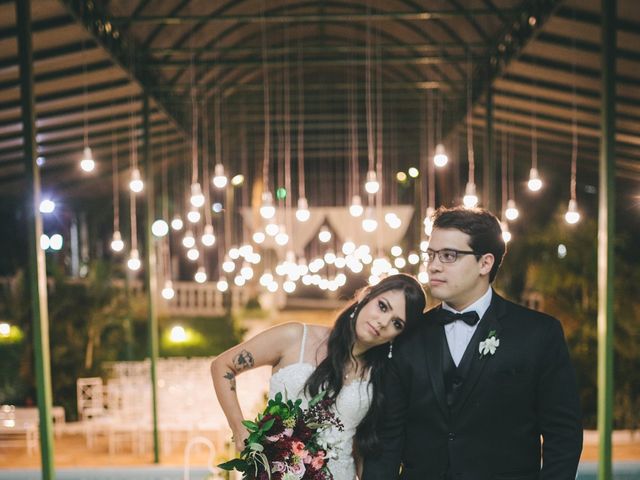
<point x="353" y="312"/>
<point x="390" y="355"/>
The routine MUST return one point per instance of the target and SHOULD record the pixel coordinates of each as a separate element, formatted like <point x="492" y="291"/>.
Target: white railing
<point x="194" y="299"/>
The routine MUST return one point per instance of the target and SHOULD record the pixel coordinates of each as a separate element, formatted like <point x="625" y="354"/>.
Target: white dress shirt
<point x="459" y="333"/>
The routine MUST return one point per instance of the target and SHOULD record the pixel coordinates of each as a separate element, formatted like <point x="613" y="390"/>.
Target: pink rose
<point x="318" y="460"/>
<point x="287" y="432"/>
<point x="298" y="449"/>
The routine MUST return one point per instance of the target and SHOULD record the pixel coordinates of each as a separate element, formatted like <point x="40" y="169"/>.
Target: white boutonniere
<point x="489" y="345"/>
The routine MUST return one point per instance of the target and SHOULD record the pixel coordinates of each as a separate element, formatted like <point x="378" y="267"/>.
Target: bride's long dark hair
<point x="329" y="374"/>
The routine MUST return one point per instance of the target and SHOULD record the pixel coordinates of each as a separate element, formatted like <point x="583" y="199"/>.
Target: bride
<point x="347" y="361"/>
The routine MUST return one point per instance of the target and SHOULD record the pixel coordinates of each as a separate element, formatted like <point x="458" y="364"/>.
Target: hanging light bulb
<point x="534" y="183"/>
<point x="282" y="238"/>
<point x="303" y="214"/>
<point x="116" y="242"/>
<point x="470" y="198"/>
<point x="511" y="211"/>
<point x="194" y="215"/>
<point x="259" y="237"/>
<point x="222" y="285"/>
<point x="372" y="185"/>
<point x="428" y="221"/>
<point x="159" y="228"/>
<point x="177" y="223"/>
<point x="134" y="260"/>
<point x="413" y="258"/>
<point x="193" y="254"/>
<point x="506" y="234"/>
<point x="219" y="178"/>
<point x="208" y="237"/>
<point x="272" y="229"/>
<point x="266" y="278"/>
<point x="188" y="241"/>
<point x="136" y="184"/>
<point x="356" y="206"/>
<point x="246" y="271"/>
<point x="228" y="265"/>
<point x="267" y="210"/>
<point x="197" y="197"/>
<point x="47" y="206"/>
<point x="369" y="224"/>
<point x="393" y="220"/>
<point x="440" y="159"/>
<point x="201" y="275"/>
<point x="324" y="235"/>
<point x="168" y="292"/>
<point x="572" y="216"/>
<point x="348" y="247"/>
<point x="423" y="276"/>
<point x="87" y="163"/>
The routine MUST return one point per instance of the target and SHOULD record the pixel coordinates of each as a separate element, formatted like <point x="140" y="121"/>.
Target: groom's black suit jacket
<point x="506" y="401"/>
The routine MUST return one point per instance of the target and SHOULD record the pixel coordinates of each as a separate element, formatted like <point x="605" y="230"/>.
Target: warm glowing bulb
<point x="511" y="211"/>
<point x="237" y="180"/>
<point x="178" y="334"/>
<point x="348" y="247"/>
<point x="470" y="198"/>
<point x="222" y="285"/>
<point x="47" y="206"/>
<point x="136" y="184"/>
<point x="413" y="258"/>
<point x="356" y="209"/>
<point x="440" y="158"/>
<point x="369" y="224"/>
<point x="228" y="265"/>
<point x="134" y="260"/>
<point x="188" y="241"/>
<point x="259" y="237"/>
<point x="246" y="271"/>
<point x="87" y="163"/>
<point x="393" y="220"/>
<point x="281" y="237"/>
<point x="193" y="254"/>
<point x="303" y="214"/>
<point x="56" y="241"/>
<point x="413" y="172"/>
<point x="117" y="245"/>
<point x="177" y="223"/>
<point x="197" y="197"/>
<point x="324" y="235"/>
<point x="194" y="215"/>
<point x="506" y="234"/>
<point x="534" y="183"/>
<point x="5" y="329"/>
<point x="267" y="210"/>
<point x="423" y="277"/>
<point x="208" y="238"/>
<point x="372" y="185"/>
<point x="219" y="178"/>
<point x="201" y="275"/>
<point x="572" y="216"/>
<point x="168" y="292"/>
<point x="289" y="286"/>
<point x="272" y="229"/>
<point x="159" y="228"/>
<point x="396" y="250"/>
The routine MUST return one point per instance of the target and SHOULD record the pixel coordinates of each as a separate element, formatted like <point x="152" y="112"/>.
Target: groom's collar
<point x="480" y="306"/>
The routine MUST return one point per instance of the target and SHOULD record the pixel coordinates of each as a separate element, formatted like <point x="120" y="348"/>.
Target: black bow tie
<point x="446" y="317"/>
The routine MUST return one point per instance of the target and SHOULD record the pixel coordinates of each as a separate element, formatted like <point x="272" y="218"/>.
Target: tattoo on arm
<point x="243" y="360"/>
<point x="232" y="380"/>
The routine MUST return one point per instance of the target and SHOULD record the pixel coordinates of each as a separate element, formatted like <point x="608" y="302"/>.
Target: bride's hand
<point x="239" y="438"/>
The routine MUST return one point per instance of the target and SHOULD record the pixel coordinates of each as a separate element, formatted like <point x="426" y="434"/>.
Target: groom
<point x="471" y="392"/>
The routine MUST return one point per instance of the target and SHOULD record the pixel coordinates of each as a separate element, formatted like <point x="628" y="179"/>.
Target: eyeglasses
<point x="448" y="255"/>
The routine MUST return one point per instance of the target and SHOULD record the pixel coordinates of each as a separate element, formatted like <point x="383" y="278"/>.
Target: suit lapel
<point x="435" y="341"/>
<point x="490" y="322"/>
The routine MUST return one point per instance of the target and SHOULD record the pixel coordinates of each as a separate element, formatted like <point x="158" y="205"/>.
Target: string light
<point x="440" y="159"/>
<point x="511" y="211"/>
<point x="534" y="182"/>
<point x="193" y="254"/>
<point x="117" y="245"/>
<point x="208" y="237"/>
<point x="222" y="285"/>
<point x="177" y="223"/>
<point x="56" y="241"/>
<point x="259" y="237"/>
<point x="324" y="235"/>
<point x="356" y="209"/>
<point x="168" y="292"/>
<point x="188" y="241"/>
<point x="470" y="198"/>
<point x="267" y="210"/>
<point x="219" y="178"/>
<point x="372" y="185"/>
<point x="136" y="184"/>
<point x="201" y="275"/>
<point x="159" y="228"/>
<point x="413" y="172"/>
<point x="303" y="214"/>
<point x="134" y="260"/>
<point x="47" y="206"/>
<point x="369" y="224"/>
<point x="572" y="216"/>
<point x="194" y="215"/>
<point x="197" y="197"/>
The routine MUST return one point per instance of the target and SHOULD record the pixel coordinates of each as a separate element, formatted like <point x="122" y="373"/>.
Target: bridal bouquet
<point x="286" y="442"/>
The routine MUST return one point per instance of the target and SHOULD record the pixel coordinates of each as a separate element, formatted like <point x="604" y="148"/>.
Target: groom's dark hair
<point x="483" y="228"/>
<point x="329" y="374"/>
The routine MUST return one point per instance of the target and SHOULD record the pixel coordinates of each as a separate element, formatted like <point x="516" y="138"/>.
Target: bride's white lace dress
<point x="351" y="406"/>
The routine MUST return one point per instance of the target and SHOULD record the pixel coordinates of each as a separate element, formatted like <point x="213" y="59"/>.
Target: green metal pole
<point x="150" y="275"/>
<point x="606" y="232"/>
<point x="489" y="176"/>
<point x="37" y="266"/>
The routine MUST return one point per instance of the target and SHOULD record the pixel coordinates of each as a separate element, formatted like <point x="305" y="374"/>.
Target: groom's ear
<point x="486" y="263"/>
